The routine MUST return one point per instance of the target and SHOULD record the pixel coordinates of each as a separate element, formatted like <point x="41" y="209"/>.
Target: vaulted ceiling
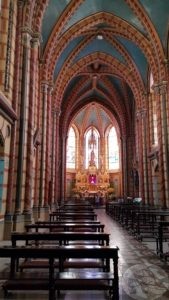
<point x="101" y="51"/>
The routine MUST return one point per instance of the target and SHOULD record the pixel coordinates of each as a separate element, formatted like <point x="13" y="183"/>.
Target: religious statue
<point x="92" y="158"/>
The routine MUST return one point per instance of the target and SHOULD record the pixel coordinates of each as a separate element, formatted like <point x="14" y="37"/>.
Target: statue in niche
<point x="135" y="177"/>
<point x="92" y="158"/>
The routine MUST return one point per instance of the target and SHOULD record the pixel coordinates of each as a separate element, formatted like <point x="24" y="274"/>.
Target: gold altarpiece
<point x="92" y="181"/>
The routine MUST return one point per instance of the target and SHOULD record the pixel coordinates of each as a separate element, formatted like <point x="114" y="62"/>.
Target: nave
<point x="142" y="274"/>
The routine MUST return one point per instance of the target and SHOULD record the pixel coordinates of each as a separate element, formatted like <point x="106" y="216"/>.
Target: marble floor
<point x="143" y="276"/>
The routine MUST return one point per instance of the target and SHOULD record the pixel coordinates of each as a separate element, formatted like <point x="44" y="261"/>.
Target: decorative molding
<point x="9" y="47"/>
<point x="6" y="110"/>
<point x="154" y="158"/>
<point x="37" y="138"/>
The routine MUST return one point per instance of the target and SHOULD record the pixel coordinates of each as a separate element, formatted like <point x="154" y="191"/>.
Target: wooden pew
<point x="76" y="208"/>
<point x="61" y="237"/>
<point x="36" y="238"/>
<point x="63" y="221"/>
<point x="163" y="235"/>
<point x="64" y="280"/>
<point x="65" y="227"/>
<point x="73" y="216"/>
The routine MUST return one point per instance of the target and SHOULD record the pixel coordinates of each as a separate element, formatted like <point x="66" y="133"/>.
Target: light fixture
<point x="99" y="37"/>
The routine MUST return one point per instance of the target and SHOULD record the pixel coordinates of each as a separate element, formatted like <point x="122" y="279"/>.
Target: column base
<point x="18" y="222"/>
<point x="6" y="227"/>
<point x="44" y="213"/>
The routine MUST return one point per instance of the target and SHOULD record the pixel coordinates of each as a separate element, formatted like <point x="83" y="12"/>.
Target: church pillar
<point x="161" y="89"/>
<point x="63" y="168"/>
<point x="124" y="166"/>
<point x="22" y="123"/>
<point x="144" y="120"/>
<point x="48" y="187"/>
<point x="9" y="210"/>
<point x="139" y="153"/>
<point x="58" y="165"/>
<point x="54" y="154"/>
<point x="30" y="146"/>
<point x="44" y="91"/>
<point x="150" y="134"/>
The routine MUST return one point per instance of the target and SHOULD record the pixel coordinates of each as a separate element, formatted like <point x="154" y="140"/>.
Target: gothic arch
<point x="120" y="27"/>
<point x="119" y="69"/>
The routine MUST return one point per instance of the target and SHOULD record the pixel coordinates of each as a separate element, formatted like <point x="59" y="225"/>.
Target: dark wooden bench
<point x="107" y="280"/>
<point x="61" y="237"/>
<point x="73" y="216"/>
<point x="163" y="235"/>
<point x="65" y="227"/>
<point x="63" y="221"/>
<point x="75" y="208"/>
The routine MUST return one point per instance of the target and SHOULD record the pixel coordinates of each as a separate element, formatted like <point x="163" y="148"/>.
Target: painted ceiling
<point x="102" y="55"/>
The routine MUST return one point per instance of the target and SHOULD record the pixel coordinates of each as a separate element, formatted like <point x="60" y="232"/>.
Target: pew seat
<point x="85" y="280"/>
<point x="68" y="264"/>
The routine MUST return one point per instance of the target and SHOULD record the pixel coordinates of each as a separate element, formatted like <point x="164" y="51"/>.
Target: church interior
<point x="84" y="115"/>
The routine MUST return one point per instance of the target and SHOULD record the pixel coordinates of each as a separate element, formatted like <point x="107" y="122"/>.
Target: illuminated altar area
<point x="93" y="180"/>
<point x="92" y="157"/>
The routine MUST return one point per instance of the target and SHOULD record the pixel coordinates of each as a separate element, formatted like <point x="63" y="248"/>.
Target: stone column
<point x="161" y="98"/>
<point x="165" y="145"/>
<point x="63" y="168"/>
<point x="124" y="166"/>
<point x="139" y="154"/>
<point x="55" y="116"/>
<point x="58" y="165"/>
<point x="44" y="90"/>
<point x="30" y="147"/>
<point x="22" y="120"/>
<point x="144" y="117"/>
<point x="48" y="151"/>
<point x="9" y="209"/>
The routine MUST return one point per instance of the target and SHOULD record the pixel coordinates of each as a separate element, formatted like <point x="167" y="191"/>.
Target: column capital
<point x="166" y="61"/>
<point x="26" y="30"/>
<point x="160" y="88"/>
<point x="141" y="113"/>
<point x="46" y="86"/>
<point x="35" y="40"/>
<point x="56" y="112"/>
<point x="26" y="34"/>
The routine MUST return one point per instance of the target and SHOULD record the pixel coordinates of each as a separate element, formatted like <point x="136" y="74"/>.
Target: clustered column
<point x="23" y="120"/>
<point x="44" y="91"/>
<point x="30" y="146"/>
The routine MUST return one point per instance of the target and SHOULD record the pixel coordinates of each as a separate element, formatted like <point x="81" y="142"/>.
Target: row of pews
<point x="67" y="252"/>
<point x="145" y="223"/>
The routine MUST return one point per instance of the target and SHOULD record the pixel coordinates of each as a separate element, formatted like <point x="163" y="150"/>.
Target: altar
<point x="92" y="182"/>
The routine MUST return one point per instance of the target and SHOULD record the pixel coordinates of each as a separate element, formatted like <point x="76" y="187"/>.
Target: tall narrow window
<point x="71" y="149"/>
<point x="113" y="150"/>
<point x="92" y="147"/>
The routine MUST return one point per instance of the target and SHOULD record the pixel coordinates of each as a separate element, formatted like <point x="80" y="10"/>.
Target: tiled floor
<point x="143" y="276"/>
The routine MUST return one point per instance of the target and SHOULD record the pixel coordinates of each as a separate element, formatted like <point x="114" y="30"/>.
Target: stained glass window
<point x="113" y="150"/>
<point x="71" y="149"/>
